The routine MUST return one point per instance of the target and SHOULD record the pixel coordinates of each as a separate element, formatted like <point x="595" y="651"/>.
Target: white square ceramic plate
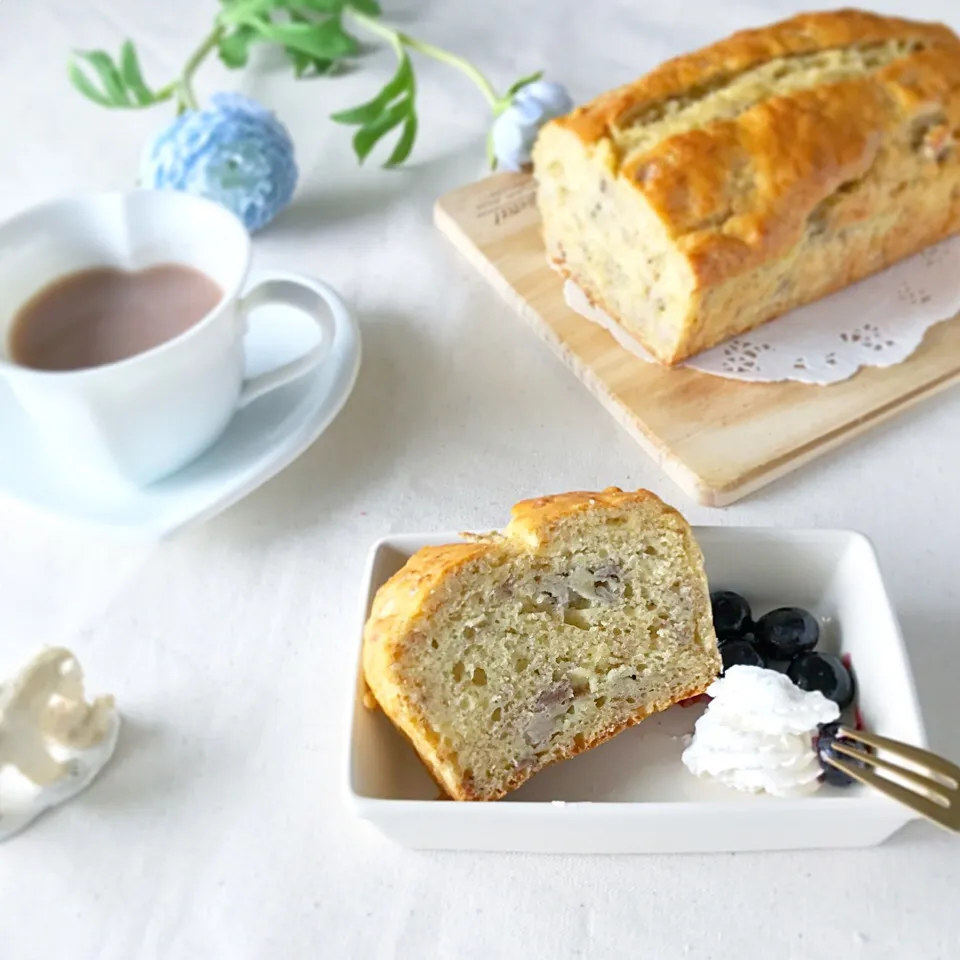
<point x="632" y="794"/>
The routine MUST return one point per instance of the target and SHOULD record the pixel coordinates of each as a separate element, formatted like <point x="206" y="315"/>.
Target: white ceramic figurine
<point x="53" y="742"/>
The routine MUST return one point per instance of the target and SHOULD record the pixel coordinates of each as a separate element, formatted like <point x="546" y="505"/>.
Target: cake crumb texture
<point x="500" y="655"/>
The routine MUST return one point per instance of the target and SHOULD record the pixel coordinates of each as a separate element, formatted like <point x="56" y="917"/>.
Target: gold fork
<point x="934" y="793"/>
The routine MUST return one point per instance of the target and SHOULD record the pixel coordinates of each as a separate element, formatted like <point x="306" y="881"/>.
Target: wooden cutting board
<point x="717" y="439"/>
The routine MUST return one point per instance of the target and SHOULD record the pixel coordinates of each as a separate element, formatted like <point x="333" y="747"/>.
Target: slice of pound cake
<point x="501" y="655"/>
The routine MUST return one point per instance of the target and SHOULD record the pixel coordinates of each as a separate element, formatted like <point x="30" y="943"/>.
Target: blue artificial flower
<point x="515" y="130"/>
<point x="235" y="152"/>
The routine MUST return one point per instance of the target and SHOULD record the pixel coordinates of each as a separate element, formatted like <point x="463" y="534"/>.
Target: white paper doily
<point x="877" y="322"/>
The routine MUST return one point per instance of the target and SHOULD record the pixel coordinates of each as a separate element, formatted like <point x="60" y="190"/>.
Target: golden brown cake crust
<point x="533" y="519"/>
<point x="405" y="598"/>
<point x="737" y="53"/>
<point x="692" y="180"/>
<point x="408" y="591"/>
<point x="740" y="190"/>
<point x="409" y="596"/>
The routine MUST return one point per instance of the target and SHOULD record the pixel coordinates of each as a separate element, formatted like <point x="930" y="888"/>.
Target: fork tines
<point x="917" y="778"/>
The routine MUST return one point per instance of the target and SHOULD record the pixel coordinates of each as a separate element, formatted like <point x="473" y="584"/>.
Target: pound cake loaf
<point x="733" y="184"/>
<point x="499" y="656"/>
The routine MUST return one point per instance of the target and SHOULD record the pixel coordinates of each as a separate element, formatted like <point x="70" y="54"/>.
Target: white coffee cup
<point x="144" y="417"/>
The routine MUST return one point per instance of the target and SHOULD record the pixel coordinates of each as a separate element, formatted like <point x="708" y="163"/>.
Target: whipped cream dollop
<point x="757" y="733"/>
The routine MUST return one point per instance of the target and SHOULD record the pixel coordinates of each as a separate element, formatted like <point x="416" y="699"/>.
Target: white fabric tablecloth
<point x="219" y="832"/>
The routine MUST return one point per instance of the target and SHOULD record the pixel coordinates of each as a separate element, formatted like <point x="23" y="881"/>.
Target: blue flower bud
<point x="234" y="152"/>
<point x="515" y="130"/>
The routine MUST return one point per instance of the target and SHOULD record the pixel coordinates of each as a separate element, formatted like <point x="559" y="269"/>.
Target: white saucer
<point x="259" y="442"/>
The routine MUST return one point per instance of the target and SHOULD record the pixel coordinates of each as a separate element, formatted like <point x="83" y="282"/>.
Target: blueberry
<point x="825" y="738"/>
<point x="823" y="672"/>
<point x="787" y="632"/>
<point x="731" y="615"/>
<point x="735" y="652"/>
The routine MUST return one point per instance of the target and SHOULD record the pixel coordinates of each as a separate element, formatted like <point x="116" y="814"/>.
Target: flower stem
<point x="393" y="37"/>
<point x="185" y="94"/>
<point x="458" y="63"/>
<point x="399" y="40"/>
<point x="166" y="92"/>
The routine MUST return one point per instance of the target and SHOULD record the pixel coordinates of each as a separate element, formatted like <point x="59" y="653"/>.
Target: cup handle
<point x="314" y="298"/>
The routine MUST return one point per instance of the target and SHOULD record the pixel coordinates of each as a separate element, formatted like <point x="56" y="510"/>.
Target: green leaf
<point x="303" y="64"/>
<point x="234" y="48"/>
<point x="83" y="83"/>
<point x="522" y="82"/>
<point x="393" y="105"/>
<point x="405" y="144"/>
<point x="109" y="76"/>
<point x="366" y="138"/>
<point x="317" y="6"/>
<point x="242" y="11"/>
<point x="131" y="75"/>
<point x="323" y="41"/>
<point x="401" y="82"/>
<point x="370" y="7"/>
<point x="306" y="66"/>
